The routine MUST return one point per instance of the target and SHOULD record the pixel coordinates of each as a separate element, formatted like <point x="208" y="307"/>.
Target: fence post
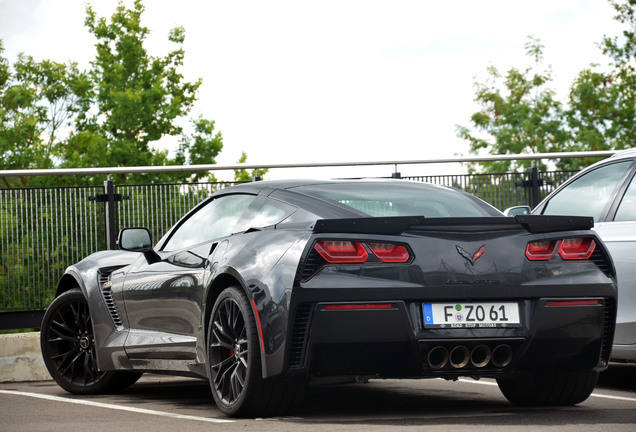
<point x="111" y="234"/>
<point x="534" y="186"/>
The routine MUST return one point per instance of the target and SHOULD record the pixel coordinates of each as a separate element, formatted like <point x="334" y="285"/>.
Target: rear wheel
<point x="550" y="389"/>
<point x="68" y="348"/>
<point x="234" y="363"/>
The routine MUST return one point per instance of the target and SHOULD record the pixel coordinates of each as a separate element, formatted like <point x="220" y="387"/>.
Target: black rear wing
<point x="536" y="224"/>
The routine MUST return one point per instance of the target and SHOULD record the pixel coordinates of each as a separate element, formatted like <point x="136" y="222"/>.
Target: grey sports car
<point x="265" y="286"/>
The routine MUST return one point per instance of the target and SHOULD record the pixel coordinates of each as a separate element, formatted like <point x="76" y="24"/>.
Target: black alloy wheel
<point x="68" y="348"/>
<point x="233" y="356"/>
<point x="234" y="362"/>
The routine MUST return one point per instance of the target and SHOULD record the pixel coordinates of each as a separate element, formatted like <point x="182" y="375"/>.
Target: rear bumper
<point x="393" y="342"/>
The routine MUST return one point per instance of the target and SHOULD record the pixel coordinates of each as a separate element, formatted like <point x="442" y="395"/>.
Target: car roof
<point x="624" y="154"/>
<point x="269" y="185"/>
<point x="618" y="156"/>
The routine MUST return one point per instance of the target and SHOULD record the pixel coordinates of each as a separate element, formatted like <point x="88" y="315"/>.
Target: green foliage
<point x="138" y="98"/>
<point x="241" y="175"/>
<point x="118" y="113"/>
<point x="602" y="104"/>
<point x="37" y="100"/>
<point x="200" y="148"/>
<point x="525" y="117"/>
<point x="623" y="52"/>
<point x="519" y="114"/>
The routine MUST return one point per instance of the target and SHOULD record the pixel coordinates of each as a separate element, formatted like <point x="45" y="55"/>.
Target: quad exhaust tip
<point x="480" y="356"/>
<point x="460" y="356"/>
<point x="438" y="357"/>
<point x="502" y="355"/>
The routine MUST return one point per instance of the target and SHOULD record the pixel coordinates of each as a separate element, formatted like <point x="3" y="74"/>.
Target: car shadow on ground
<point x="393" y="402"/>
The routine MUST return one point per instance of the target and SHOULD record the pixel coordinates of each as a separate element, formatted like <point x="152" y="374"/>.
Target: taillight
<point x="345" y="251"/>
<point x="577" y="248"/>
<point x="341" y="251"/>
<point x="540" y="250"/>
<point x="389" y="252"/>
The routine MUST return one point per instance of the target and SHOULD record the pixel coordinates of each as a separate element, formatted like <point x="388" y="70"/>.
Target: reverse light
<point x="540" y="250"/>
<point x="578" y="248"/>
<point x="339" y="251"/>
<point x="389" y="252"/>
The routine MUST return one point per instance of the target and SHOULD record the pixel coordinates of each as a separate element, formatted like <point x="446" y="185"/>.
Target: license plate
<point x="471" y="315"/>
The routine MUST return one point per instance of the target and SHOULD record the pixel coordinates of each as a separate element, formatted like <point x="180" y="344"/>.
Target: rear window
<point x="400" y="198"/>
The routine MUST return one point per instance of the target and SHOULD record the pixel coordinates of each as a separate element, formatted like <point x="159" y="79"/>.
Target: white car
<point x="607" y="192"/>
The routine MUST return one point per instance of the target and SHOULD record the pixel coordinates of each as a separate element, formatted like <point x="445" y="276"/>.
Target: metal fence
<point x="43" y="230"/>
<point x="504" y="190"/>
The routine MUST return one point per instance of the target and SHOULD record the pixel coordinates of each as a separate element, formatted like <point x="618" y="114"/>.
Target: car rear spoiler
<point x="536" y="224"/>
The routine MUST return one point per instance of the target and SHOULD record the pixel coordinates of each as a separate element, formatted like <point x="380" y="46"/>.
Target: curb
<point x="21" y="358"/>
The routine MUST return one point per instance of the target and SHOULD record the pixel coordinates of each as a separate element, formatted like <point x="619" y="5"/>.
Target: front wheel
<point x="234" y="362"/>
<point x="68" y="348"/>
<point x="550" y="389"/>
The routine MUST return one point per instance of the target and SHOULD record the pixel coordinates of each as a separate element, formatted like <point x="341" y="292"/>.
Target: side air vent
<point x="298" y="344"/>
<point x="608" y="327"/>
<point x="313" y="263"/>
<point x="105" y="286"/>
<point x="599" y="257"/>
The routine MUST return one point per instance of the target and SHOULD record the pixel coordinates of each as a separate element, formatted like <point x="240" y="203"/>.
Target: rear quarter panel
<point x="620" y="239"/>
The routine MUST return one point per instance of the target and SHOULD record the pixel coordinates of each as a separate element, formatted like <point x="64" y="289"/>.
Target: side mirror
<point x="135" y="240"/>
<point x="138" y="240"/>
<point x="517" y="211"/>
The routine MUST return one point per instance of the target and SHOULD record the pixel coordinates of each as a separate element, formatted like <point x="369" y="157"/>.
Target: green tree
<point x="602" y="104"/>
<point x="37" y="101"/>
<point x="137" y="100"/>
<point x="599" y="114"/>
<point x="121" y="112"/>
<point x="519" y="114"/>
<point x="200" y="148"/>
<point x="243" y="175"/>
<point x="591" y="115"/>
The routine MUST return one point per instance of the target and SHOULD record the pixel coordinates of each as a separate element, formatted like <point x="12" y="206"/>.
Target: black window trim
<point x="620" y="194"/>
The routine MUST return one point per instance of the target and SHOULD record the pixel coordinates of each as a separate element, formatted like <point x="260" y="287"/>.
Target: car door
<point x="163" y="298"/>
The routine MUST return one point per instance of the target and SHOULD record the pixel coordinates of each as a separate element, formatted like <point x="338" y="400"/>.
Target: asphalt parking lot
<point x="160" y="403"/>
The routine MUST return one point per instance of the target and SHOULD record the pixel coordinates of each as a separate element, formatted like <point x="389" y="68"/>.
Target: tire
<point x="234" y="363"/>
<point x="68" y="348"/>
<point x="550" y="389"/>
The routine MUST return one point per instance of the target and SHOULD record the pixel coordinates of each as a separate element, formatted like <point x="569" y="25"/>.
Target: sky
<point x="292" y="82"/>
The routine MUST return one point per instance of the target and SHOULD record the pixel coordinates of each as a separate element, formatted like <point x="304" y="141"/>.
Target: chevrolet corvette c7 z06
<point x="264" y="286"/>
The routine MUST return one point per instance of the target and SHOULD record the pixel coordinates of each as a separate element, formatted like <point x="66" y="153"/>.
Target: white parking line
<point x="621" y="398"/>
<point x="116" y="407"/>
